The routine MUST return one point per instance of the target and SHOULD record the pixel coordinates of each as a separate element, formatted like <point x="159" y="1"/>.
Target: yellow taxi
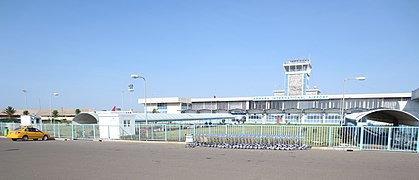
<point x="27" y="132"/>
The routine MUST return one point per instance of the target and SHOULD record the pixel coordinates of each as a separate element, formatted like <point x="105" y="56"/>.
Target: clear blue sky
<point x="86" y="50"/>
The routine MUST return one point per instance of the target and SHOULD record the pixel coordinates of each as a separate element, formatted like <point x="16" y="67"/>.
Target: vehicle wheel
<point x="45" y="138"/>
<point x="25" y="138"/>
<point x="14" y="139"/>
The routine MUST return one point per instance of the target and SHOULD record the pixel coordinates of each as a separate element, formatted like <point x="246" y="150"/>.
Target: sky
<point x="87" y="50"/>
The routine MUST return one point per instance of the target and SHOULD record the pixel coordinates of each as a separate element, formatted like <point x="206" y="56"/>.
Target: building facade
<point x="297" y="104"/>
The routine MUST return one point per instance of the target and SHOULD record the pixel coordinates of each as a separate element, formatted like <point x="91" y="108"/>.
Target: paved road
<point x="67" y="160"/>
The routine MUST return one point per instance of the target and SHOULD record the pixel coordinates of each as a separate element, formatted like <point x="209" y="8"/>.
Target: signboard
<point x="130" y="88"/>
<point x="282" y="98"/>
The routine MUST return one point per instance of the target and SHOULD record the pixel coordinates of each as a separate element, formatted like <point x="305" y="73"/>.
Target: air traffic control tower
<point x="297" y="78"/>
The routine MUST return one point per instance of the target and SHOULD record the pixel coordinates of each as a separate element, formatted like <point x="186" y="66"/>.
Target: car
<point x="27" y="132"/>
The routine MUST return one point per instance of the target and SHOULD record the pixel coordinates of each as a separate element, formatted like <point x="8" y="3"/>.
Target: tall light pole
<point x="360" y="78"/>
<point x="50" y="106"/>
<point x="26" y="100"/>
<point x="135" y="76"/>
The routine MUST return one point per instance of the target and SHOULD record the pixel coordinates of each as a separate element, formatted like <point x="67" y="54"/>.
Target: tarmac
<point x="94" y="160"/>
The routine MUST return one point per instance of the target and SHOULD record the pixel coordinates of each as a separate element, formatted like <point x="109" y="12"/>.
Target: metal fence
<point x="363" y="138"/>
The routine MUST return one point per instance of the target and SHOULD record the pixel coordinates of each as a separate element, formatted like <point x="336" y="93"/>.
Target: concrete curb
<point x="335" y="149"/>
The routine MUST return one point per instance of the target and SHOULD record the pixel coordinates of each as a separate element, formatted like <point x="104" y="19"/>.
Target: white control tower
<point x="297" y="78"/>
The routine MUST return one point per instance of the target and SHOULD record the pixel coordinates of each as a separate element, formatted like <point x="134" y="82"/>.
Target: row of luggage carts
<point x="267" y="142"/>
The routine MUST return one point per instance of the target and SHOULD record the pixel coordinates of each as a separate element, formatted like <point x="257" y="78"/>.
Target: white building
<point x="296" y="104"/>
<point x="170" y="105"/>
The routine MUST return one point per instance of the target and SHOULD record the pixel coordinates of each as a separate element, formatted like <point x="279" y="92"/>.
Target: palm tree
<point x="26" y="112"/>
<point x="9" y="111"/>
<point x="77" y="111"/>
<point x="54" y="115"/>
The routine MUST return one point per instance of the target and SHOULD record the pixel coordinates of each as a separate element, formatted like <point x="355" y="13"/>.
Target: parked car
<point x="27" y="132"/>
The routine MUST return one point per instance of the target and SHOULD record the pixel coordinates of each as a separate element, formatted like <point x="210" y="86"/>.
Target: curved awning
<point x="396" y="117"/>
<point x="86" y="118"/>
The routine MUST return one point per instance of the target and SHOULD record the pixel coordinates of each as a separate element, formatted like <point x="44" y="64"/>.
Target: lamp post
<point x="50" y="106"/>
<point x="26" y="101"/>
<point x="135" y="76"/>
<point x="360" y="78"/>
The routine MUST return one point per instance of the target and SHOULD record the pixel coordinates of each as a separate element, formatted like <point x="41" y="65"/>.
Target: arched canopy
<point x="86" y="118"/>
<point x="395" y="117"/>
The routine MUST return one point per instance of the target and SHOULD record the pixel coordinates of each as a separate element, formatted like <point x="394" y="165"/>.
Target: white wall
<point x="25" y="120"/>
<point x="111" y="124"/>
<point x="173" y="108"/>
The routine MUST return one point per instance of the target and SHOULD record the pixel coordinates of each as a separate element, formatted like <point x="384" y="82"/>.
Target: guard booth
<point x="116" y="124"/>
<point x="111" y="124"/>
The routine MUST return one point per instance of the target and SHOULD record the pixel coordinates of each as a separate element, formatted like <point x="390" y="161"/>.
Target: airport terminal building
<point x="297" y="103"/>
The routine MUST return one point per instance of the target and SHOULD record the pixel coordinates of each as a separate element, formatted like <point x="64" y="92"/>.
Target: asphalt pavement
<point x="68" y="160"/>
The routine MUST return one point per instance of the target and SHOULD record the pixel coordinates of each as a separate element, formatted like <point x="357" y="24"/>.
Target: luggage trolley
<point x="190" y="142"/>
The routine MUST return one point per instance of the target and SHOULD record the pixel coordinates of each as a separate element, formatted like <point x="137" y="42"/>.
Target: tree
<point x="77" y="111"/>
<point x="26" y="112"/>
<point x="154" y="110"/>
<point x="9" y="111"/>
<point x="55" y="113"/>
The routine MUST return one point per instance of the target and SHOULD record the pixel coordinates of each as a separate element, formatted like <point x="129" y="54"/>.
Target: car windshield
<point x="17" y="129"/>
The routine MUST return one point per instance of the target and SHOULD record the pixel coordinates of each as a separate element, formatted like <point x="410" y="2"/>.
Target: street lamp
<point x="26" y="101"/>
<point x="50" y="106"/>
<point x="135" y="76"/>
<point x="360" y="78"/>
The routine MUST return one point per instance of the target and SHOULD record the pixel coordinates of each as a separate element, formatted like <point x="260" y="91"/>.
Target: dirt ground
<point x="132" y="160"/>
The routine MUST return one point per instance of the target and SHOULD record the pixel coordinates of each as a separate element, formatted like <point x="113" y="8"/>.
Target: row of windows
<point x="391" y="103"/>
<point x="219" y="105"/>
<point x="127" y="123"/>
<point x="297" y="118"/>
<point x="161" y="106"/>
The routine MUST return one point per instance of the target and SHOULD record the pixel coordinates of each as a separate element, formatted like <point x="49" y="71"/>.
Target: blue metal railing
<point x="387" y="138"/>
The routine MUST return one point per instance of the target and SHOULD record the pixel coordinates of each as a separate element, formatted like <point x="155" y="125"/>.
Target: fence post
<point x="83" y="131"/>
<point x="390" y="135"/>
<point x="417" y="139"/>
<point x="225" y="128"/>
<point x="165" y="132"/>
<point x="152" y="132"/>
<point x="330" y="136"/>
<point x="59" y="132"/>
<point x="139" y="132"/>
<point x="261" y="134"/>
<point x="179" y="132"/>
<point x="94" y="131"/>
<point x="300" y="135"/>
<point x="72" y="131"/>
<point x="209" y="129"/>
<point x="361" y="140"/>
